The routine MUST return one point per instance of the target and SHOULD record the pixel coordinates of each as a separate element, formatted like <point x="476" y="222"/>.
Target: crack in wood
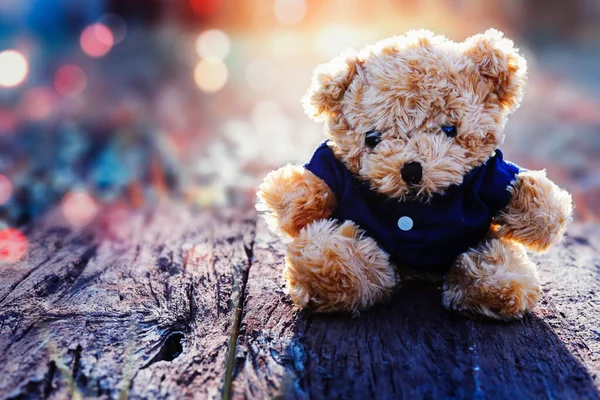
<point x="171" y="348"/>
<point x="235" y="330"/>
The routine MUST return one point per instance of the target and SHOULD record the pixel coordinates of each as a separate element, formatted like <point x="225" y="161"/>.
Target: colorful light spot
<point x="13" y="245"/>
<point x="37" y="103"/>
<point x="205" y="8"/>
<point x="96" y="40"/>
<point x="210" y="75"/>
<point x="79" y="208"/>
<point x="70" y="80"/>
<point x="13" y="68"/>
<point x="213" y="43"/>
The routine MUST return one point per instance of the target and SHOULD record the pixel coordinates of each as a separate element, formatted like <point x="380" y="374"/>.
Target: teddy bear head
<point x="413" y="114"/>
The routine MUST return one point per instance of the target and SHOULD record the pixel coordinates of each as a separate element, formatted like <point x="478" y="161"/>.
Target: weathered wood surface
<point x="172" y="303"/>
<point x="139" y="306"/>
<point x="411" y="348"/>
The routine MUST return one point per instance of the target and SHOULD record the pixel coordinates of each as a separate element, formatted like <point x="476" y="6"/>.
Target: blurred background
<point x="122" y="103"/>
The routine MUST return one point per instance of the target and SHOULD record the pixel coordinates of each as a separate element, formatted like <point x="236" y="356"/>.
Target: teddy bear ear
<point x="329" y="83"/>
<point x="499" y="61"/>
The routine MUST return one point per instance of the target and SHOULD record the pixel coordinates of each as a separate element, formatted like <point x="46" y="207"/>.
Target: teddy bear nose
<point x="412" y="172"/>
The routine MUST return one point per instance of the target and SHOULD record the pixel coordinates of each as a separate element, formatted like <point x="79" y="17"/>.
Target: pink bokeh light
<point x="70" y="80"/>
<point x="79" y="208"/>
<point x="13" y="245"/>
<point x="96" y="40"/>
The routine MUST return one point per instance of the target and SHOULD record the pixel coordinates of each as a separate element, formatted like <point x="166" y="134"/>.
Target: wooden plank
<point x="571" y="280"/>
<point x="412" y="347"/>
<point x="140" y="305"/>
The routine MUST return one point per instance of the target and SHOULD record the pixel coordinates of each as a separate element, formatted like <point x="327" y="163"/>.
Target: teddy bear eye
<point x="449" y="130"/>
<point x="373" y="138"/>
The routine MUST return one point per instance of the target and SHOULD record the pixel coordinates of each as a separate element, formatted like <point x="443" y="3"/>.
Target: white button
<point x="405" y="223"/>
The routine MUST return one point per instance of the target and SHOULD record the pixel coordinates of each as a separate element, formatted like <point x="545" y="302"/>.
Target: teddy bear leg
<point x="497" y="280"/>
<point x="334" y="267"/>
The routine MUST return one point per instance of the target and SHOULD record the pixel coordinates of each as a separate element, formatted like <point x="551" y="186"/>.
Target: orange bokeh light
<point x="13" y="245"/>
<point x="13" y="68"/>
<point x="70" y="80"/>
<point x="79" y="208"/>
<point x="96" y="40"/>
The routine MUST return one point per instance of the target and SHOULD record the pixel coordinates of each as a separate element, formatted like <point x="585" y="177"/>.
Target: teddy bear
<point x="411" y="181"/>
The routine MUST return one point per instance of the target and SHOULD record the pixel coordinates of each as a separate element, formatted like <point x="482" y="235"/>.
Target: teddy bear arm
<point x="292" y="197"/>
<point x="538" y="212"/>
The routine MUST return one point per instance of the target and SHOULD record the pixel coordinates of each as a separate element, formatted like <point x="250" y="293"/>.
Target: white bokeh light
<point x="213" y="43"/>
<point x="13" y="68"/>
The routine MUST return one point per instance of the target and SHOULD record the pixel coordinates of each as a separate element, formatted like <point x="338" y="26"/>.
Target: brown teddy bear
<point x="411" y="179"/>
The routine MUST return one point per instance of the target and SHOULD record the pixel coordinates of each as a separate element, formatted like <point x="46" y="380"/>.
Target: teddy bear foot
<point x="495" y="280"/>
<point x="334" y="267"/>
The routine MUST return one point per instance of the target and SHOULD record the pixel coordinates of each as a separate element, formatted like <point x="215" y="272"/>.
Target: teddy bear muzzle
<point x="412" y="172"/>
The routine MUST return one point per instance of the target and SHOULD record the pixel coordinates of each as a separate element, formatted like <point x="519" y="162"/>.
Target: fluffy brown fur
<point x="292" y="197"/>
<point x="496" y="280"/>
<point x="332" y="267"/>
<point x="407" y="88"/>
<point x="538" y="213"/>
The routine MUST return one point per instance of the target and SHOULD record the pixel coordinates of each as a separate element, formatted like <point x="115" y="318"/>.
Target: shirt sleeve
<point x="499" y="176"/>
<point x="326" y="166"/>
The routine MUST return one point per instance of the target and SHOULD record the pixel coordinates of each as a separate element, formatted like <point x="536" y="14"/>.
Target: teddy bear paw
<point x="334" y="267"/>
<point x="495" y="280"/>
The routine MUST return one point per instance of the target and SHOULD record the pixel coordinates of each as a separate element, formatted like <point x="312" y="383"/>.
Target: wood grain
<point x="175" y="303"/>
<point x="139" y="306"/>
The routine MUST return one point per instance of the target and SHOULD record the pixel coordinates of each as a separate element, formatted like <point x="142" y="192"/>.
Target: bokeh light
<point x="210" y="75"/>
<point x="261" y="75"/>
<point x="13" y="245"/>
<point x="290" y="12"/>
<point x="13" y="68"/>
<point x="96" y="40"/>
<point x="177" y="77"/>
<point x="117" y="26"/>
<point x="213" y="43"/>
<point x="6" y="189"/>
<point x="70" y="80"/>
<point x="79" y="208"/>
<point x="37" y="103"/>
<point x="205" y="8"/>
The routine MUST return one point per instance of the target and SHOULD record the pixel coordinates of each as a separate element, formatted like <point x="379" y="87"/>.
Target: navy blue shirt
<point x="424" y="236"/>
